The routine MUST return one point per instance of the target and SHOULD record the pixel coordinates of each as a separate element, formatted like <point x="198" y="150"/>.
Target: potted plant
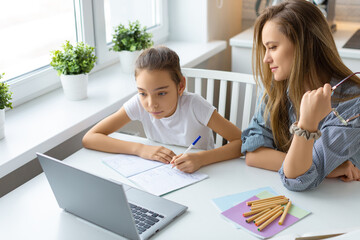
<point x="5" y="97"/>
<point x="129" y="41"/>
<point x="73" y="63"/>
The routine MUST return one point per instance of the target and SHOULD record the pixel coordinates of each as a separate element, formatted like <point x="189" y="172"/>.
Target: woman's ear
<point x="182" y="86"/>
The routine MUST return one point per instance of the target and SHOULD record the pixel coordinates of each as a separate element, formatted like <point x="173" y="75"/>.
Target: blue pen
<point x="192" y="145"/>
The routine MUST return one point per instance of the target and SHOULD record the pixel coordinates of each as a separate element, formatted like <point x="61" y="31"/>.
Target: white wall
<point x="206" y="20"/>
<point x="187" y="20"/>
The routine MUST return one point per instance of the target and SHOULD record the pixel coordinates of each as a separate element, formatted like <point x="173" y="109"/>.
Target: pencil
<point x="264" y="200"/>
<point x="250" y="219"/>
<point x="269" y="201"/>
<point x="265" y="207"/>
<point x="268" y="215"/>
<point x="278" y="202"/>
<point x="276" y="215"/>
<point x="255" y="211"/>
<point x="284" y="213"/>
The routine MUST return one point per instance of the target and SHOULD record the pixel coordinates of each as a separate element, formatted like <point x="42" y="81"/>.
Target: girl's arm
<point x="97" y="138"/>
<point x="193" y="161"/>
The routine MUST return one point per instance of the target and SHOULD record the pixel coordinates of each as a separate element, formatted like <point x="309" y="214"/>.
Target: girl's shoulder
<point x="192" y="97"/>
<point x="194" y="101"/>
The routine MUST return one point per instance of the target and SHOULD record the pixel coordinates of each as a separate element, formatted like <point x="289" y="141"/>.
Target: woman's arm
<point x="193" y="161"/>
<point x="347" y="172"/>
<point x="97" y="138"/>
<point x="266" y="158"/>
<point x="315" y="105"/>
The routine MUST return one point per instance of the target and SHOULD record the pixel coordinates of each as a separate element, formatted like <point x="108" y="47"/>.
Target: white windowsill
<point x="47" y="121"/>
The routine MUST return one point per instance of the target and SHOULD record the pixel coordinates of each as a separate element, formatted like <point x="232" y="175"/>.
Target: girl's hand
<point x="315" y="105"/>
<point x="157" y="153"/>
<point x="346" y="171"/>
<point x="186" y="162"/>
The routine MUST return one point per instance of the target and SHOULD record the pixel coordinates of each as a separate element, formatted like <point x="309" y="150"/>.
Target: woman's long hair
<point x="315" y="56"/>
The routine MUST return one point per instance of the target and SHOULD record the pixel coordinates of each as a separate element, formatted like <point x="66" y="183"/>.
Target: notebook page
<point x="129" y="165"/>
<point x="164" y="179"/>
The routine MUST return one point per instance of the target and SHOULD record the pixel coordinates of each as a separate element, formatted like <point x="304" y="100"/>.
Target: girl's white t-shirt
<point x="187" y="123"/>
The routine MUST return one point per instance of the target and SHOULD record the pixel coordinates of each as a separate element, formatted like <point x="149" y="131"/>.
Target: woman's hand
<point x="346" y="171"/>
<point x="186" y="162"/>
<point x="157" y="153"/>
<point x="315" y="105"/>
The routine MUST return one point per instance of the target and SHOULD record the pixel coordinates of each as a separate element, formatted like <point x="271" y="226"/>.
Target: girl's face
<point x="158" y="92"/>
<point x="279" y="51"/>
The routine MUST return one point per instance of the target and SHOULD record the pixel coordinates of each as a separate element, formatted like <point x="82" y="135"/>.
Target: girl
<point x="169" y="116"/>
<point x="296" y="59"/>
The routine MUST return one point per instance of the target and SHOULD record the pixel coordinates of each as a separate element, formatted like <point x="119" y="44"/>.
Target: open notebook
<point x="154" y="177"/>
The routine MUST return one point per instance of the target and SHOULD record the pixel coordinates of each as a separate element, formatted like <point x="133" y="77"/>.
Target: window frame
<point x="91" y="21"/>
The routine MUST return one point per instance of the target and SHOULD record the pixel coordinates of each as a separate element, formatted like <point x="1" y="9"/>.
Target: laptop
<point x="117" y="207"/>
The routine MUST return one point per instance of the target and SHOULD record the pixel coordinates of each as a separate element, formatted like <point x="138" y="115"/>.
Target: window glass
<point x="30" y="30"/>
<point x="146" y="11"/>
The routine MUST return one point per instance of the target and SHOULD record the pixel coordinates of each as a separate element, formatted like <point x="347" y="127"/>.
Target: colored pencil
<point x="265" y="207"/>
<point x="284" y="213"/>
<point x="264" y="200"/>
<point x="250" y="219"/>
<point x="268" y="215"/>
<point x="276" y="215"/>
<point x="278" y="202"/>
<point x="255" y="211"/>
<point x="269" y="201"/>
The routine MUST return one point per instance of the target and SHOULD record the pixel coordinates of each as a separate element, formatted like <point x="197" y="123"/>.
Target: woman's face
<point x="158" y="92"/>
<point x="279" y="51"/>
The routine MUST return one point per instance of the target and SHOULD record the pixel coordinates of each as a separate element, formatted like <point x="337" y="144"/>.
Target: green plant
<point x="73" y="60"/>
<point x="5" y="94"/>
<point x="132" y="38"/>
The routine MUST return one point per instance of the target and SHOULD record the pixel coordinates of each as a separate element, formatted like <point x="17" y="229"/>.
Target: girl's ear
<point x="182" y="86"/>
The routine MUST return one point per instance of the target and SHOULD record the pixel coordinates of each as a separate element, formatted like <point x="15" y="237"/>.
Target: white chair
<point x="238" y="107"/>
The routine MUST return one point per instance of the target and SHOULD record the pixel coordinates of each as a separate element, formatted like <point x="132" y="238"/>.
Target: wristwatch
<point x="294" y="129"/>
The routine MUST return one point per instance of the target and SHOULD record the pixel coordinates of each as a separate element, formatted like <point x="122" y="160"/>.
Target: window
<point x="33" y="28"/>
<point x="115" y="13"/>
<point x="29" y="30"/>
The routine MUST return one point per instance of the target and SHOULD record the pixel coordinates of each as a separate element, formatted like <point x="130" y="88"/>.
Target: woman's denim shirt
<point x="337" y="144"/>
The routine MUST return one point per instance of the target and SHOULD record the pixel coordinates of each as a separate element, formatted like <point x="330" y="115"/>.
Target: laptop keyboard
<point x="144" y="218"/>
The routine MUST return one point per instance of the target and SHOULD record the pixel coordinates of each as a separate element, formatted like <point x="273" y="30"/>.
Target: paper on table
<point x="235" y="214"/>
<point x="229" y="201"/>
<point x="154" y="177"/>
<point x="129" y="165"/>
<point x="226" y="202"/>
<point x="165" y="179"/>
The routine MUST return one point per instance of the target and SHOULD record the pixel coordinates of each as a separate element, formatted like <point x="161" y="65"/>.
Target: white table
<point x="31" y="211"/>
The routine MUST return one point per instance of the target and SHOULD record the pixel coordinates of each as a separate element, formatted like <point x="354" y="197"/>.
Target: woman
<point x="297" y="62"/>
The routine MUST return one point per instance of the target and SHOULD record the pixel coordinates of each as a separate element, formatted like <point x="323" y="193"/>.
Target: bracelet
<point x="294" y="129"/>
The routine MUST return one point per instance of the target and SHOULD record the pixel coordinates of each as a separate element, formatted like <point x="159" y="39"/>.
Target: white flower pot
<point x="127" y="61"/>
<point x="2" y="123"/>
<point x="75" y="86"/>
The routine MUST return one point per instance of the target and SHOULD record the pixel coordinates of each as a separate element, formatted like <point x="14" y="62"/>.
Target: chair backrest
<point x="214" y="86"/>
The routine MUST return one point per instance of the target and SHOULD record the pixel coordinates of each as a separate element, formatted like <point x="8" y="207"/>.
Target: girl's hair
<point x="316" y="60"/>
<point x="160" y="58"/>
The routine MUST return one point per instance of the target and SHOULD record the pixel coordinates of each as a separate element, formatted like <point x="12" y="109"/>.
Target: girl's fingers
<point x="168" y="152"/>
<point x="160" y="159"/>
<point x="178" y="161"/>
<point x="164" y="157"/>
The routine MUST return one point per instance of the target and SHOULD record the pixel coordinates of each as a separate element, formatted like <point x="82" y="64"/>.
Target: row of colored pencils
<point x="265" y="211"/>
